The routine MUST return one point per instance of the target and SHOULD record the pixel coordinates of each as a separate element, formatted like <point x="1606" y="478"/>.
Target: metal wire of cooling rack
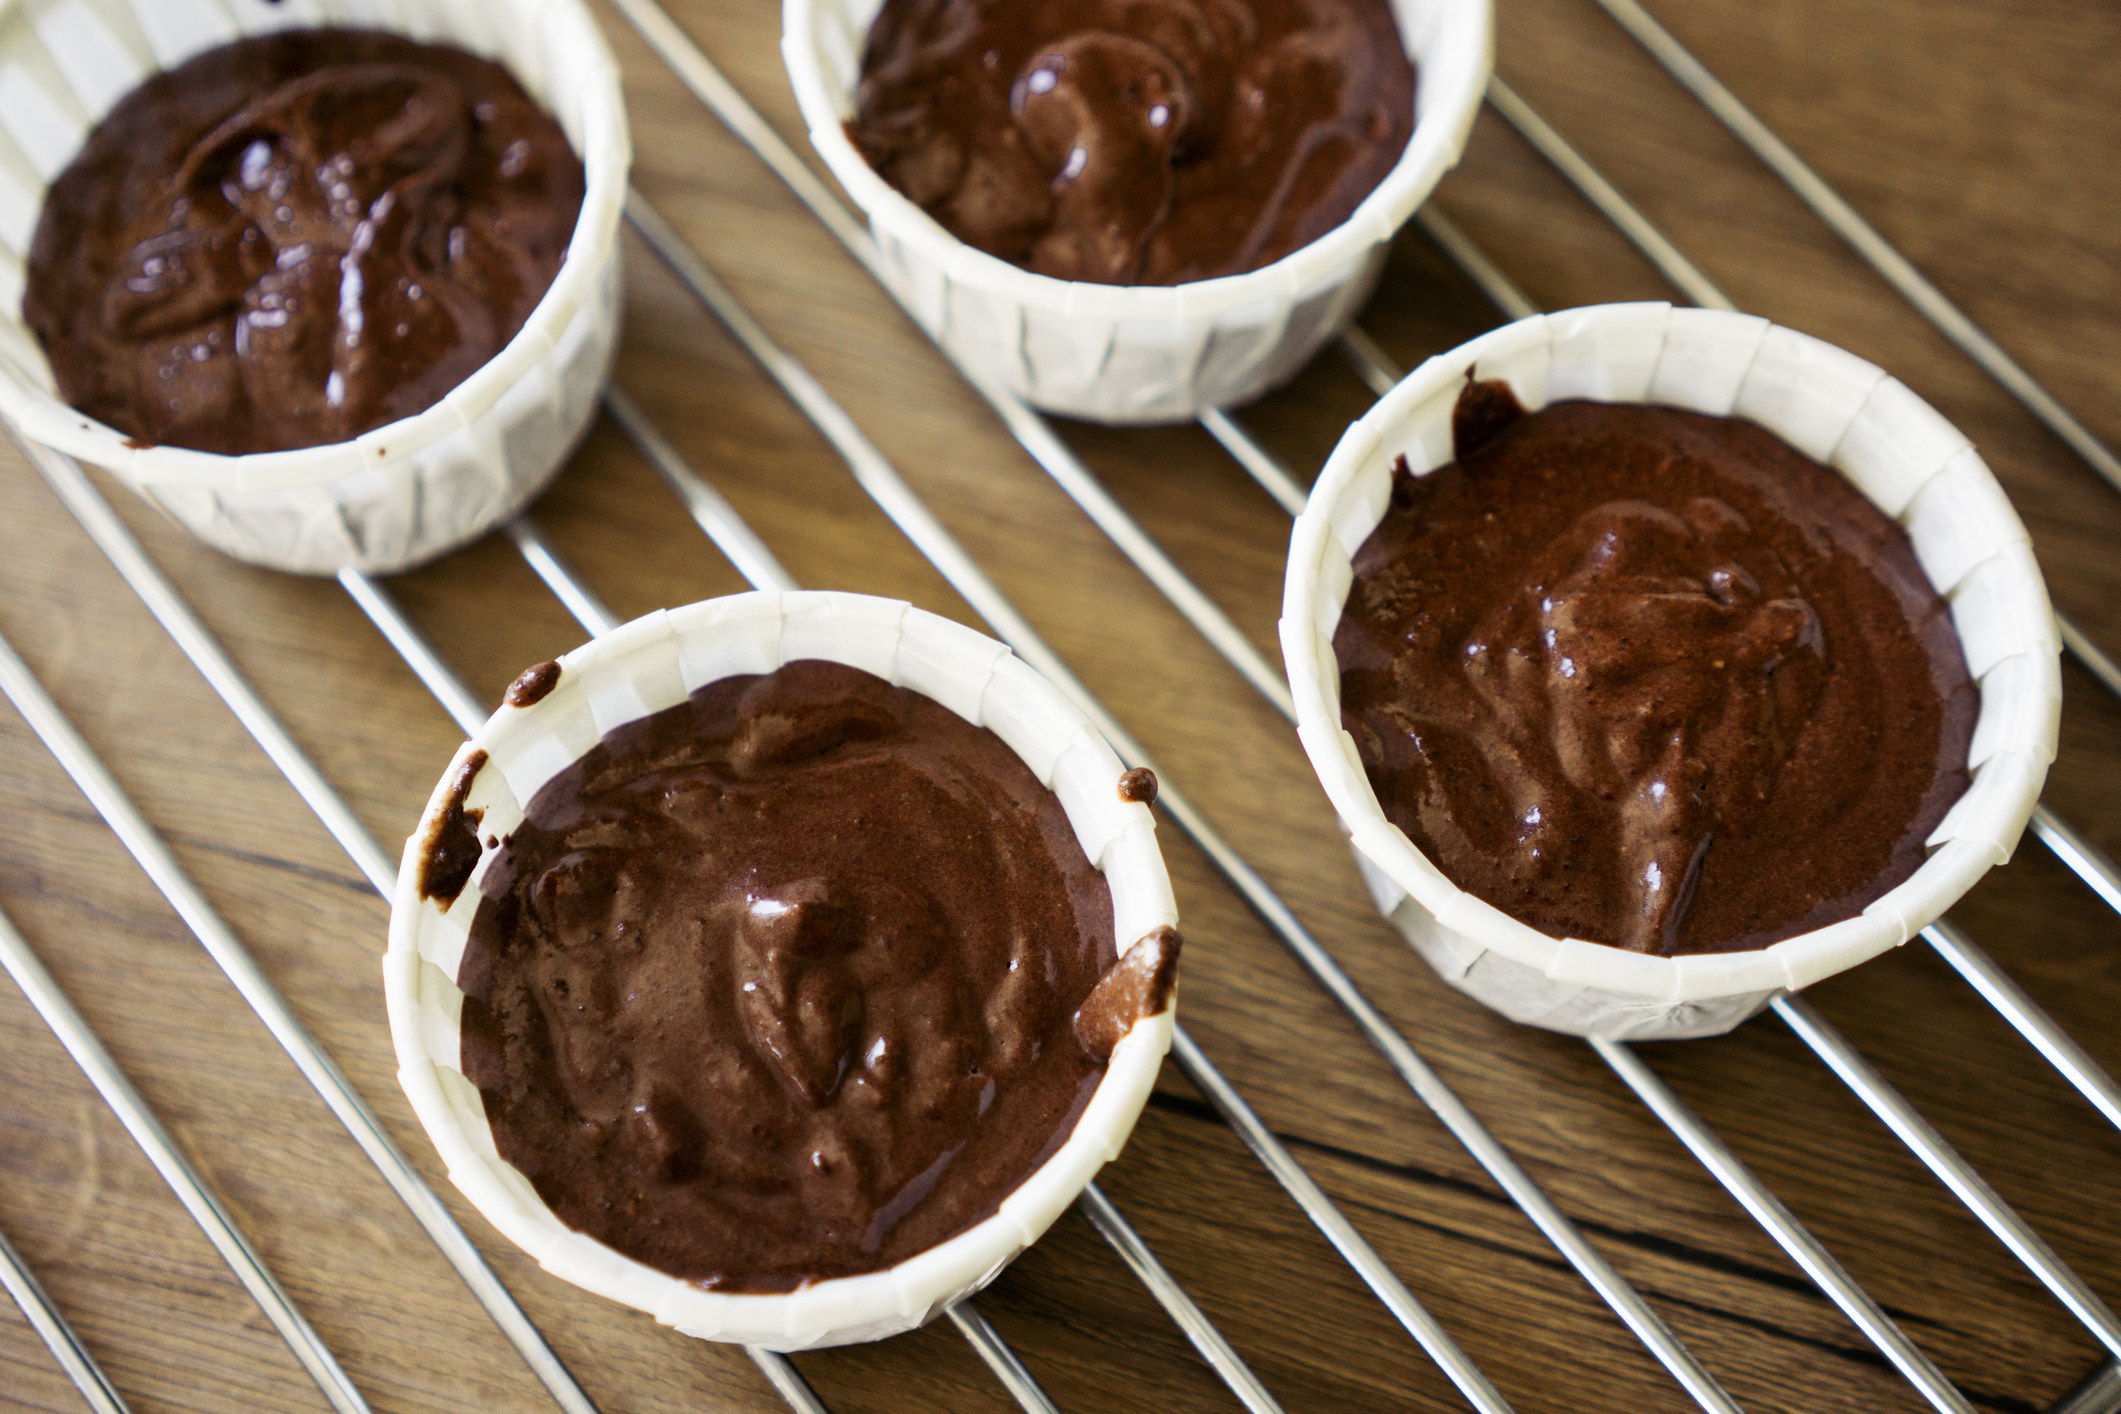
<point x="751" y="557"/>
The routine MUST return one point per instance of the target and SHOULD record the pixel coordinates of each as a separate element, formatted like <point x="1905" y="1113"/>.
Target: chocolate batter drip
<point x="533" y="685"/>
<point x="1651" y="678"/>
<point x="451" y="850"/>
<point x="296" y="238"/>
<point x="1137" y="988"/>
<point x="1130" y="142"/>
<point x="1138" y="786"/>
<point x="781" y="984"/>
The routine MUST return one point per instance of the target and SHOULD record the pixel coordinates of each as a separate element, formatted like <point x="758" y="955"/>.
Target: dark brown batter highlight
<point x="1651" y="678"/>
<point x="297" y="238"/>
<point x="1128" y="142"/>
<point x="781" y="984"/>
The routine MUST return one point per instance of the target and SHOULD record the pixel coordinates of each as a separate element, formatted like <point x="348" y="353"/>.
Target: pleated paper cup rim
<point x="1833" y="407"/>
<point x="656" y="662"/>
<point x="1452" y="42"/>
<point x="98" y="69"/>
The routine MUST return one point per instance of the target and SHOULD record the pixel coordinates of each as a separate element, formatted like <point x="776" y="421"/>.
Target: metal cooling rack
<point x="2101" y="1394"/>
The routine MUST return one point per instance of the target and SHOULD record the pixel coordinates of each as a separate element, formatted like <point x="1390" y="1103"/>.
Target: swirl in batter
<point x="794" y="980"/>
<point x="1127" y="142"/>
<point x="1650" y="678"/>
<point x="297" y="238"/>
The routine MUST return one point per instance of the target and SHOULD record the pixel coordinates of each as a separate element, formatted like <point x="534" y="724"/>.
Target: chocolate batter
<point x="451" y="850"/>
<point x="782" y="983"/>
<point x="296" y="238"/>
<point x="1135" y="142"/>
<point x="533" y="685"/>
<point x="1651" y="678"/>
<point x="1138" y="786"/>
<point x="1139" y="985"/>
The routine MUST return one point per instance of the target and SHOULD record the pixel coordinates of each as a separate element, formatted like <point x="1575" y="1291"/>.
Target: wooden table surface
<point x="1977" y="134"/>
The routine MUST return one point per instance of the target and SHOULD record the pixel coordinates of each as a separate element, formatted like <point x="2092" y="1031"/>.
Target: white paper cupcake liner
<point x="656" y="662"/>
<point x="1836" y="409"/>
<point x="411" y="489"/>
<point x="1136" y="354"/>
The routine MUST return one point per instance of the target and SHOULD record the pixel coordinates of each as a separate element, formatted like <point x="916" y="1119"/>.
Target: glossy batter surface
<point x="782" y="983"/>
<point x="297" y="238"/>
<point x="1650" y="678"/>
<point x="1133" y="142"/>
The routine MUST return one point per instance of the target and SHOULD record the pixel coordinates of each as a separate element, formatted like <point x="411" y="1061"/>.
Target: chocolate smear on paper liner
<point x="1484" y="410"/>
<point x="1137" y="988"/>
<point x="451" y="850"/>
<point x="535" y="685"/>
